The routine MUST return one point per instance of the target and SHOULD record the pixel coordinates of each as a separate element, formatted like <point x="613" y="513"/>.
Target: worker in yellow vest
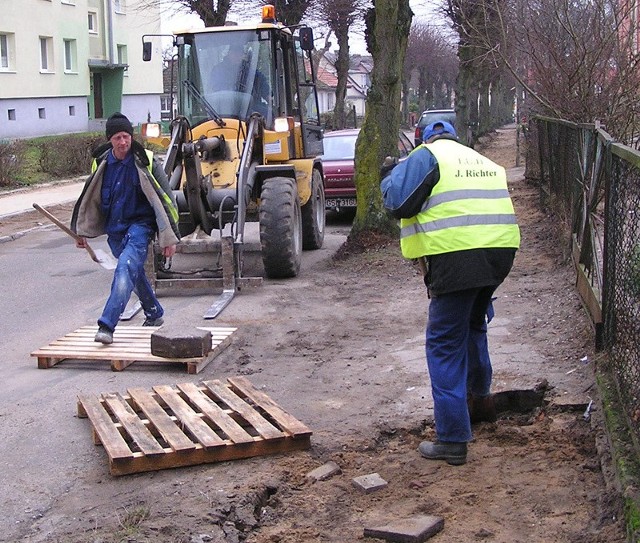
<point x="457" y="219"/>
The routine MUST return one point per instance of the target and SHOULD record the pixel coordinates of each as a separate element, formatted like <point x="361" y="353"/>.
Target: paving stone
<point x="325" y="471"/>
<point x="369" y="483"/>
<point x="180" y="341"/>
<point x="414" y="529"/>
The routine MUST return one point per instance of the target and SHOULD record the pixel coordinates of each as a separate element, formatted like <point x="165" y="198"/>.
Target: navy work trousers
<point x="458" y="357"/>
<point x="131" y="252"/>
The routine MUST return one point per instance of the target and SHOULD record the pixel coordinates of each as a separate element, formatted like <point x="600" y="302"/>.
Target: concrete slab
<point x="324" y="472"/>
<point x="369" y="483"/>
<point x="414" y="529"/>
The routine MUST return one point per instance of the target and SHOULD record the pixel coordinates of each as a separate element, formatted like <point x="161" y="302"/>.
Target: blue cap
<point x="437" y="128"/>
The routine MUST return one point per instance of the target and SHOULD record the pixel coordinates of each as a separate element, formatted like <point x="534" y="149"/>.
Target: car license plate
<point x="341" y="202"/>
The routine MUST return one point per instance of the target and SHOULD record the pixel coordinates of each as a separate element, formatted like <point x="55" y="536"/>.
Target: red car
<point x="338" y="164"/>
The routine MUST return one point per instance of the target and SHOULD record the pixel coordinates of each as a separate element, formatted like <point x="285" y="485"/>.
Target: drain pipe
<point x="110" y="56"/>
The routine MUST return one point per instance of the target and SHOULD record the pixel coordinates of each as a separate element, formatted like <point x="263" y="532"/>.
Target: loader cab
<point x="232" y="73"/>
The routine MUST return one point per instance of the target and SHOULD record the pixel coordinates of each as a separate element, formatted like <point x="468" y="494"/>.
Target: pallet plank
<point x="162" y="422"/>
<point x="133" y="425"/>
<point x="262" y="425"/>
<point x="200" y="430"/>
<point x="103" y="426"/>
<point x="284" y="419"/>
<point x="216" y="414"/>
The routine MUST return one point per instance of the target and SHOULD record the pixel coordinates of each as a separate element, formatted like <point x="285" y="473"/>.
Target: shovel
<point x="106" y="260"/>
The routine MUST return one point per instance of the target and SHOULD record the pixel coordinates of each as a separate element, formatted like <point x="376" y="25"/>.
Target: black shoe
<point x="454" y="453"/>
<point x="104" y="335"/>
<point x="153" y="322"/>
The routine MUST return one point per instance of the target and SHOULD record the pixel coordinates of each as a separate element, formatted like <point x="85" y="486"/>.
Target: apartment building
<point x="67" y="65"/>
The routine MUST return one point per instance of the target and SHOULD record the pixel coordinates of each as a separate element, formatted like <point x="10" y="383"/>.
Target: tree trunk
<point x="211" y="14"/>
<point x="342" y="73"/>
<point x="388" y="26"/>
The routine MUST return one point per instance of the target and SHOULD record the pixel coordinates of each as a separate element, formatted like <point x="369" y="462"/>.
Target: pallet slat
<point x="133" y="425"/>
<point x="185" y="416"/>
<point x="284" y="419"/>
<point x="130" y="344"/>
<point x="216" y="414"/>
<point x="162" y="422"/>
<point x="188" y="417"/>
<point x="104" y="428"/>
<point x="262" y="425"/>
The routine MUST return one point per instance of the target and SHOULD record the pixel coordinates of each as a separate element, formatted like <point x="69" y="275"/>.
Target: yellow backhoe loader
<point x="244" y="145"/>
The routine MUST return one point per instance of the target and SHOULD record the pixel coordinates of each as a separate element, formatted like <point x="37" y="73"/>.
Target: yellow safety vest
<point x="469" y="207"/>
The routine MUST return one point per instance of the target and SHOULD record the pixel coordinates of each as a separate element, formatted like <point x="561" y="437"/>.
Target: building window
<point x="70" y="56"/>
<point x="69" y="2"/>
<point x="122" y="54"/>
<point x="93" y="22"/>
<point x="72" y="111"/>
<point x="118" y="6"/>
<point x="46" y="60"/>
<point x="11" y="114"/>
<point x="42" y="114"/>
<point x="6" y="51"/>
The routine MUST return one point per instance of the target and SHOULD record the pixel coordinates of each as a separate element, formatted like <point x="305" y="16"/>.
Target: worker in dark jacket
<point x="127" y="197"/>
<point x="457" y="218"/>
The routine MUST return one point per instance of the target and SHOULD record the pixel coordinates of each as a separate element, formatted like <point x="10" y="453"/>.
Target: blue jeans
<point x="458" y="357"/>
<point x="129" y="276"/>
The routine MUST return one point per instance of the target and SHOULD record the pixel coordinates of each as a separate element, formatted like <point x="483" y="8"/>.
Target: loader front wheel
<point x="313" y="214"/>
<point x="280" y="227"/>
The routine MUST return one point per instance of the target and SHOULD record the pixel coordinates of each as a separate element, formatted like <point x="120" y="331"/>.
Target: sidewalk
<point x="21" y="200"/>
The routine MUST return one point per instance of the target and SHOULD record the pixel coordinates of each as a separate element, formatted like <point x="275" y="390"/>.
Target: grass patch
<point x="624" y="452"/>
<point x="48" y="159"/>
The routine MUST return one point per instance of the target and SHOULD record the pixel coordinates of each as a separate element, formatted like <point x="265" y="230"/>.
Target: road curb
<point x="16" y="235"/>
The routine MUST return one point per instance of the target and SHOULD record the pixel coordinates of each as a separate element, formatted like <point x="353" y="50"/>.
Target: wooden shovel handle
<point x="66" y="229"/>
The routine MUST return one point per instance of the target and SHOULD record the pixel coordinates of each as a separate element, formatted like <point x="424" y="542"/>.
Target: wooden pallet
<point x="130" y="344"/>
<point x="189" y="424"/>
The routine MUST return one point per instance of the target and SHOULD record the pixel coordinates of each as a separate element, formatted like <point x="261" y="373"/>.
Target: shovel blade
<point x="107" y="261"/>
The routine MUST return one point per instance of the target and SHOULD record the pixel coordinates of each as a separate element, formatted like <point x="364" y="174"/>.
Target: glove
<point x="388" y="165"/>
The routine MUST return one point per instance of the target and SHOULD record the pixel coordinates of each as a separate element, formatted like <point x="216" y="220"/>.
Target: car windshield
<point x="227" y="71"/>
<point x="433" y="116"/>
<point x="339" y="147"/>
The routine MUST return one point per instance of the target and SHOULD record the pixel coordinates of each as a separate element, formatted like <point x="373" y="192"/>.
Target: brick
<point x="369" y="483"/>
<point x="325" y="471"/>
<point x="414" y="529"/>
<point x="176" y="341"/>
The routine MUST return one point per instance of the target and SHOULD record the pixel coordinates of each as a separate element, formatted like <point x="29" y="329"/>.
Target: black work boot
<point x="153" y="322"/>
<point x="482" y="409"/>
<point x="454" y="453"/>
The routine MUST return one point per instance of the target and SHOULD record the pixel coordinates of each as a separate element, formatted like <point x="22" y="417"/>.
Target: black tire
<point x="313" y="215"/>
<point x="280" y="227"/>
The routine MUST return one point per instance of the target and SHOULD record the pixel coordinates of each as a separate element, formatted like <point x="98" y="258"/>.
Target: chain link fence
<point x="592" y="183"/>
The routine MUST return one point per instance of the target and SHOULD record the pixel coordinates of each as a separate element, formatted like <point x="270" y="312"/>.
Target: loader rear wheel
<point x="313" y="215"/>
<point x="280" y="227"/>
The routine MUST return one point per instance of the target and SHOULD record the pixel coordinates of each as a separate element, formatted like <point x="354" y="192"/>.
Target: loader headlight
<point x="283" y="124"/>
<point x="150" y="130"/>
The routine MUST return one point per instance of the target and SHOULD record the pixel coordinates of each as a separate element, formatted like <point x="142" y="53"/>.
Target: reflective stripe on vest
<point x="166" y="199"/>
<point x="469" y="207"/>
